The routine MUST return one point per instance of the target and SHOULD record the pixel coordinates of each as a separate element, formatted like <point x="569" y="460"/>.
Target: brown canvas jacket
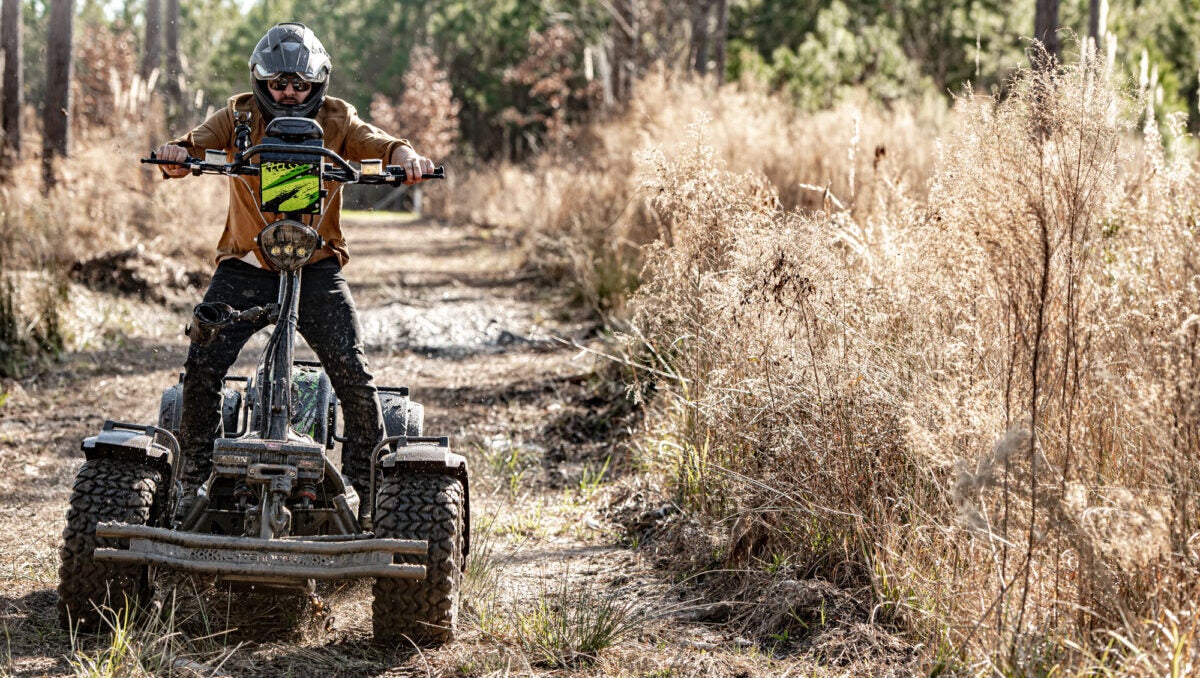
<point x="345" y="133"/>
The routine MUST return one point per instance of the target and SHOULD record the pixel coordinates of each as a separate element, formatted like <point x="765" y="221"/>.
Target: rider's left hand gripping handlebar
<point x="155" y="160"/>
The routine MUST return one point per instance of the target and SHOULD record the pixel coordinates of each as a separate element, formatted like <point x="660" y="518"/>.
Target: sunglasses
<point x="281" y="83"/>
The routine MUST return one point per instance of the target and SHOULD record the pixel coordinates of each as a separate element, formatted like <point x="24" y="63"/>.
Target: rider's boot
<point x="357" y="471"/>
<point x="192" y="476"/>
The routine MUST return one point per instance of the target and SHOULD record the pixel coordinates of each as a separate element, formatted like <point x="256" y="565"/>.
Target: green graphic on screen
<point x="290" y="187"/>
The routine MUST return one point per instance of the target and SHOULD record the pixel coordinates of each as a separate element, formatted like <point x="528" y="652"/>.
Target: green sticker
<point x="290" y="187"/>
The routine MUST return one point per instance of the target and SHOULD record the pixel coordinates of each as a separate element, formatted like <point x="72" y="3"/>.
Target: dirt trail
<point x="448" y="313"/>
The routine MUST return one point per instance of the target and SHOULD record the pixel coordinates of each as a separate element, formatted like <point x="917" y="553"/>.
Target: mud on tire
<point x="429" y="507"/>
<point x="104" y="490"/>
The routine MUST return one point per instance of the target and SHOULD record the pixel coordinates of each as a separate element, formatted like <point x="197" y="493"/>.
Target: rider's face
<point x="289" y="96"/>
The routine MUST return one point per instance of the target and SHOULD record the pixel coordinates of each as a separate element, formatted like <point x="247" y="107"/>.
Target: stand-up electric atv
<point x="276" y="510"/>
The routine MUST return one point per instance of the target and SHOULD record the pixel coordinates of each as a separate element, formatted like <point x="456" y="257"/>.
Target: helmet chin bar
<point x="271" y="110"/>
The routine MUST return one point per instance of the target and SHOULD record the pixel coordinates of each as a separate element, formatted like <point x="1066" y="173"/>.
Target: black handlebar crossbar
<point x="343" y="172"/>
<point x="351" y="173"/>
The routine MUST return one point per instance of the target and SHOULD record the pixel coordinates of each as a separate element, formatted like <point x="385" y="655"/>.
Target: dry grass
<point x="962" y="375"/>
<point x="105" y="202"/>
<point x="979" y="402"/>
<point x="582" y="214"/>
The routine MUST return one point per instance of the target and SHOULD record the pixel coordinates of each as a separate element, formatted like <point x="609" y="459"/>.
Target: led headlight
<point x="288" y="244"/>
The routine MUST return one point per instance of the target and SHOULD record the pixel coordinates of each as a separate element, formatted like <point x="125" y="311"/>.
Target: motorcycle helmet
<point x="290" y="48"/>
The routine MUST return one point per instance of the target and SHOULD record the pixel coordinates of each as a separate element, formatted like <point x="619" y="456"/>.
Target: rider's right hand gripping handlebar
<point x="197" y="166"/>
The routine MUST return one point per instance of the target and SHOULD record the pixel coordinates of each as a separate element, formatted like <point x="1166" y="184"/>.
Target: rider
<point x="290" y="74"/>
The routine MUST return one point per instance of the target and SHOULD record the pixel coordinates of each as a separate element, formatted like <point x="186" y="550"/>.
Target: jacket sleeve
<point x="365" y="141"/>
<point x="216" y="132"/>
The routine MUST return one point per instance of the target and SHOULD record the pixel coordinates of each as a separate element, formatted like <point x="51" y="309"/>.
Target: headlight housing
<point x="288" y="244"/>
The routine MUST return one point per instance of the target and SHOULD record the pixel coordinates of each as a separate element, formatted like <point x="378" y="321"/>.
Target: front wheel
<point x="427" y="507"/>
<point x="105" y="490"/>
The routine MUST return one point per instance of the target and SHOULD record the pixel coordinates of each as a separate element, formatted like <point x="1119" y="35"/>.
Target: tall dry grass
<point x="949" y="358"/>
<point x="581" y="212"/>
<point x="978" y="402"/>
<point x="105" y="201"/>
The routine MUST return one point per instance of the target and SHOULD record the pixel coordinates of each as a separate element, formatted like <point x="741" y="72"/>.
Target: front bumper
<point x="292" y="558"/>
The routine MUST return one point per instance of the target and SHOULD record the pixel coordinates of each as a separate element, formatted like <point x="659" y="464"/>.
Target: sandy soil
<point x="448" y="313"/>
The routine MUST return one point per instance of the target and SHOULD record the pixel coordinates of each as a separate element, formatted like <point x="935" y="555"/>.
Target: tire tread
<point x="428" y="507"/>
<point x="104" y="490"/>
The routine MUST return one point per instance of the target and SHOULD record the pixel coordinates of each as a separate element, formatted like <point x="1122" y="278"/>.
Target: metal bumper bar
<point x="246" y="556"/>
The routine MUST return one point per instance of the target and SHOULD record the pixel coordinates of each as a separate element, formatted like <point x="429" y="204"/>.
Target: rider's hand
<point x="176" y="154"/>
<point x="414" y="164"/>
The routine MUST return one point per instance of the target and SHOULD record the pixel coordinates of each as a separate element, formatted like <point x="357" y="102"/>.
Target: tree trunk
<point x="1097" y="23"/>
<point x="152" y="49"/>
<point x="719" y="39"/>
<point x="10" y="38"/>
<point x="699" y="47"/>
<point x="626" y="30"/>
<point x="57" y="113"/>
<point x="1045" y="30"/>
<point x="174" y="77"/>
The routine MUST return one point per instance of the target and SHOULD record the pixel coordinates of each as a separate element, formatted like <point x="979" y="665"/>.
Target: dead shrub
<point x="427" y="112"/>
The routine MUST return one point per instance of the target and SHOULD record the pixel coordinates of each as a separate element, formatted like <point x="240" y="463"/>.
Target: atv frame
<point x="275" y="512"/>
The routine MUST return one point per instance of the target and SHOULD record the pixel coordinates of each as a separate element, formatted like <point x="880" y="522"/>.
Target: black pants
<point x="328" y="322"/>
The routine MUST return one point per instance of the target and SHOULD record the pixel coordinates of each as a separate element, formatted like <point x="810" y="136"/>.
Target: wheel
<point x="415" y="422"/>
<point x="429" y="507"/>
<point x="401" y="416"/>
<point x="104" y="490"/>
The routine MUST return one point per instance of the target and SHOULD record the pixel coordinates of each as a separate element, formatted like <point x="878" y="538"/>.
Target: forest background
<point x="813" y="53"/>
<point x="908" y="311"/>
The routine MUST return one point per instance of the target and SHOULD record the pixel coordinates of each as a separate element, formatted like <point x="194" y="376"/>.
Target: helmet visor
<point x="262" y="72"/>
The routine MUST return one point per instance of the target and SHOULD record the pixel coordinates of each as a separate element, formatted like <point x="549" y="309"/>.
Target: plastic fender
<point x="134" y="442"/>
<point x="432" y="455"/>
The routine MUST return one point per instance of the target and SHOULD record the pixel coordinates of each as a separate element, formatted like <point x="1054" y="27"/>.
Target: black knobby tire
<point x="104" y="490"/>
<point x="415" y="421"/>
<point x="429" y="507"/>
<point x="401" y="416"/>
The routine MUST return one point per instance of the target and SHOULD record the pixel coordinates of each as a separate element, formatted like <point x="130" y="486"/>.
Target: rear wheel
<point x="401" y="416"/>
<point x="427" y="507"/>
<point x="105" y="490"/>
<point x="415" y="421"/>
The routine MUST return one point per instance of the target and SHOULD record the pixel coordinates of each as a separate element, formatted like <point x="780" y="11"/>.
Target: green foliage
<point x="816" y="51"/>
<point x="149" y="641"/>
<point x="833" y="58"/>
<point x="1170" y="36"/>
<point x="372" y="41"/>
<point x="818" y="54"/>
<point x="204" y="24"/>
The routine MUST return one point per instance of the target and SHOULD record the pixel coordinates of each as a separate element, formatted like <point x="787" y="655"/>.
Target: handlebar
<point x="341" y="171"/>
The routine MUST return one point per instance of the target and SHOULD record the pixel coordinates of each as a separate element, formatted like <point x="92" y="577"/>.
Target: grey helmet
<point x="290" y="48"/>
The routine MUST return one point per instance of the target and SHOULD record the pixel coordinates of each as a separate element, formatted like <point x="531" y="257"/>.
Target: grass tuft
<point x="146" y="641"/>
<point x="570" y="625"/>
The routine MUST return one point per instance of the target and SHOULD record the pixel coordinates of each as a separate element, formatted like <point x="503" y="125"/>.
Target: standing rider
<point x="290" y="74"/>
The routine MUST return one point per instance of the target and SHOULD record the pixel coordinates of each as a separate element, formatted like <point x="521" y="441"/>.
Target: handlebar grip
<point x="439" y="172"/>
<point x="155" y="160"/>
